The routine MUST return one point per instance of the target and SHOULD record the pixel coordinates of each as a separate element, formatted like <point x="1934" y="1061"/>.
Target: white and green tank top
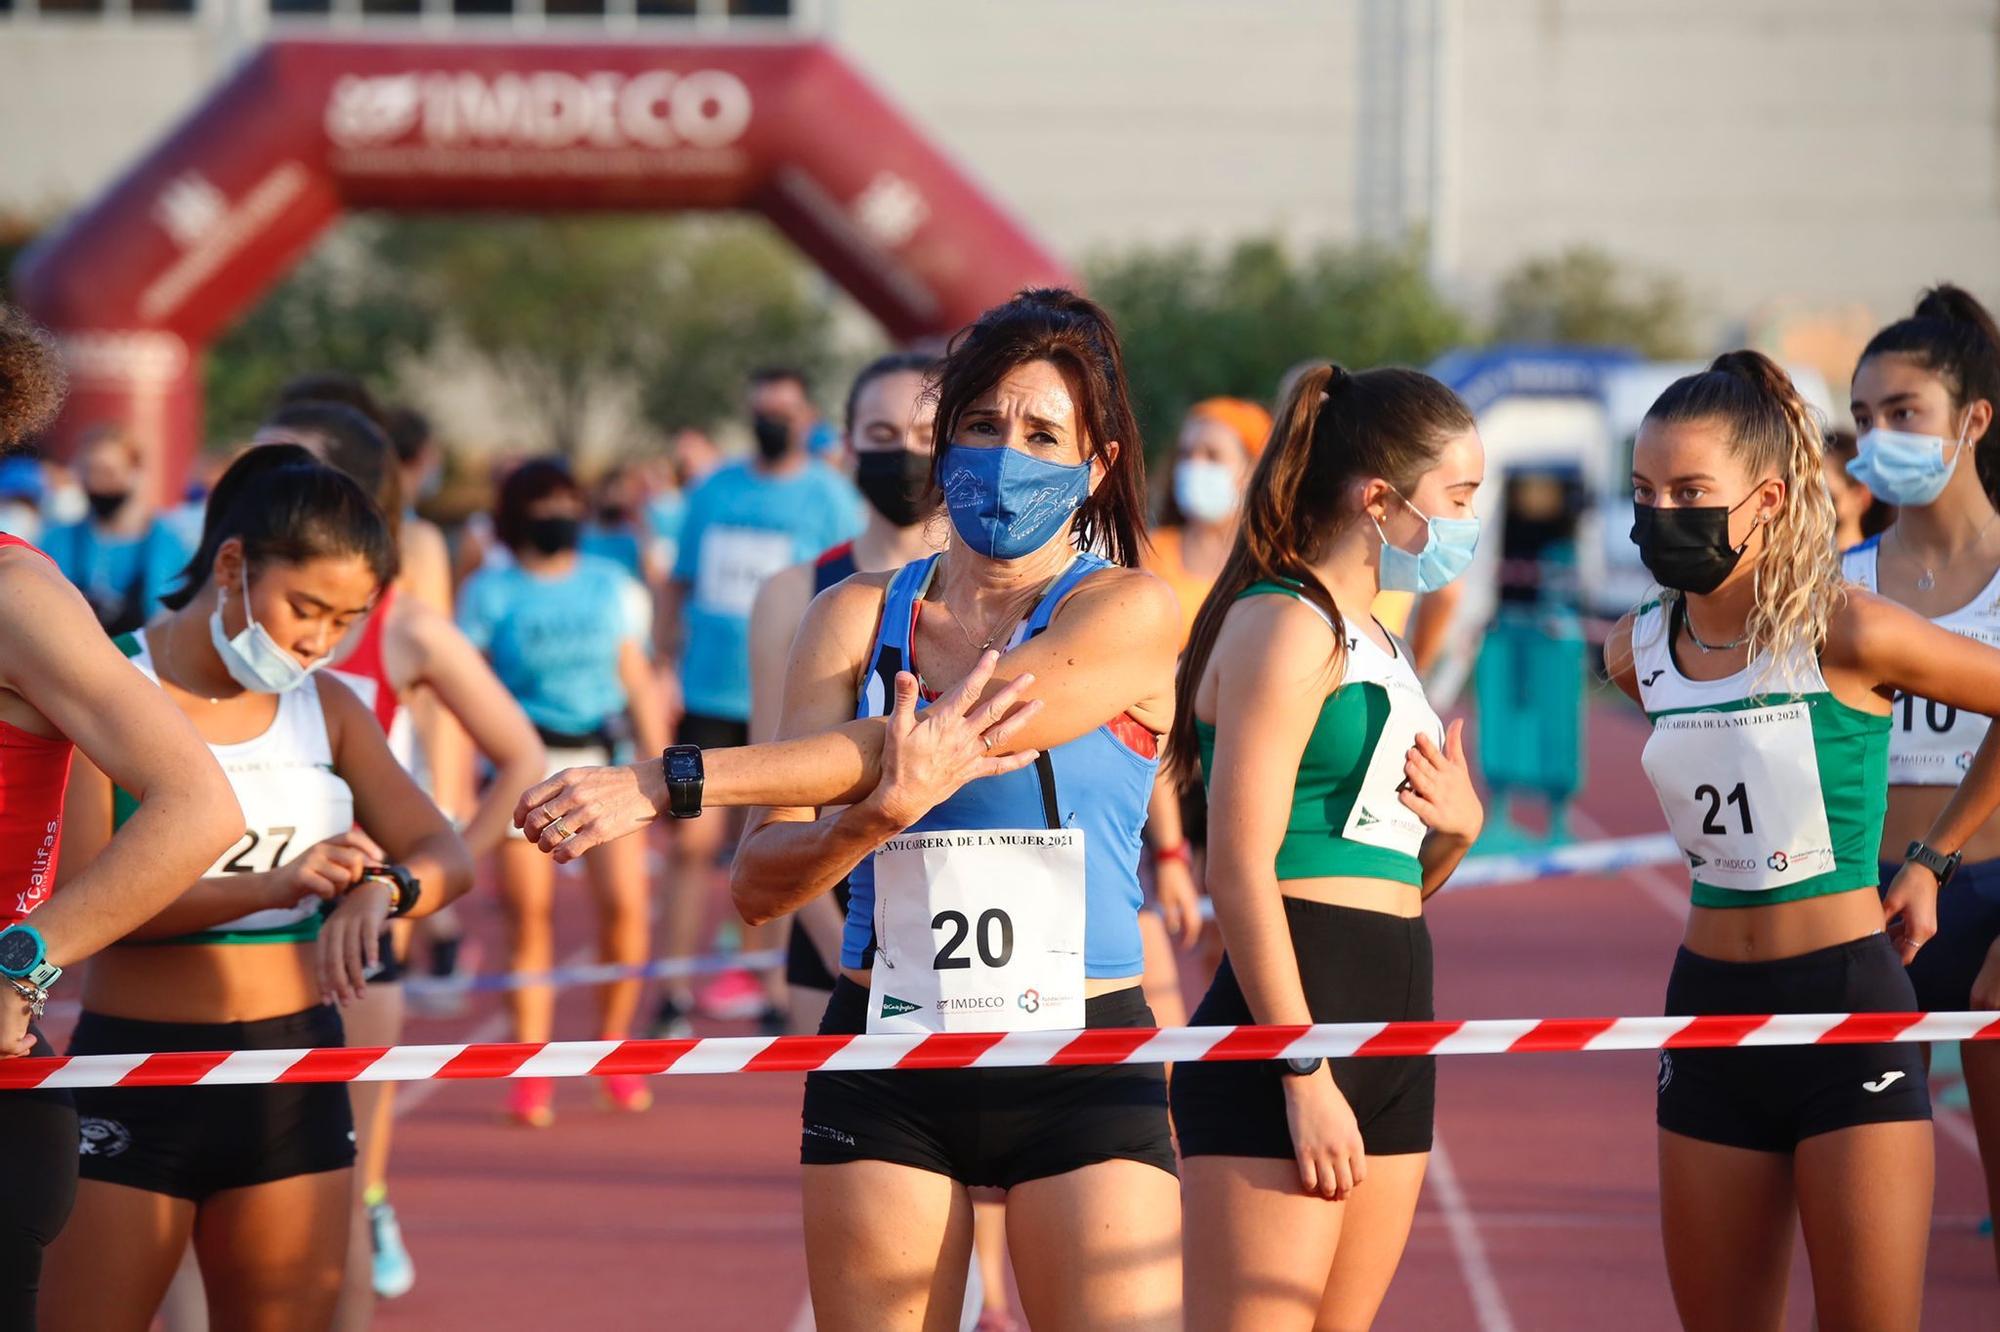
<point x="291" y="799"/>
<point x="1772" y="796"/>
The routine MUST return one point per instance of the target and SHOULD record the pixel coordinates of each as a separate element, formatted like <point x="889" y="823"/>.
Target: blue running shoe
<point x="394" y="1272"/>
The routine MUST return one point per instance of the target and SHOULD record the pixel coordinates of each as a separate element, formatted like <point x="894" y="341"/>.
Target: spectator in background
<point x="122" y="557"/>
<point x="691" y="456"/>
<point x="1858" y="515"/>
<point x="21" y="489"/>
<point x="744" y="523"/>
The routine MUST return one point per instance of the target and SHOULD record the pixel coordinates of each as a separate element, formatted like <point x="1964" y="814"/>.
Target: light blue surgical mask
<point x="1005" y="503"/>
<point x="1205" y="491"/>
<point x="253" y="658"/>
<point x="1904" y="469"/>
<point x="1449" y="545"/>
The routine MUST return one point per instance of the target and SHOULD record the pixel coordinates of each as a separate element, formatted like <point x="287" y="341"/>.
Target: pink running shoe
<point x="626" y="1092"/>
<point x="531" y="1102"/>
<point x="732" y="995"/>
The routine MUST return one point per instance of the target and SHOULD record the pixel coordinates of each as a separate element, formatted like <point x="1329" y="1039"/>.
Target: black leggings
<point x="37" y="1190"/>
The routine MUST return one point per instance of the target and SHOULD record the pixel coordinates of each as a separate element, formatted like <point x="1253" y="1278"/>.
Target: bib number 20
<point x="1738" y="796"/>
<point x="993" y="938"/>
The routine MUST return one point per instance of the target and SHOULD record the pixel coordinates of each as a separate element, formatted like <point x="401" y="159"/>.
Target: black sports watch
<point x="1302" y="1068"/>
<point x="683" y="768"/>
<point x="1941" y="865"/>
<point x="404" y="887"/>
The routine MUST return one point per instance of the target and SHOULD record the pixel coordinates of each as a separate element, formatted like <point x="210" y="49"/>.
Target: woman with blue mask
<point x="254" y="954"/>
<point x="1924" y="398"/>
<point x="1328" y="828"/>
<point x="956" y="928"/>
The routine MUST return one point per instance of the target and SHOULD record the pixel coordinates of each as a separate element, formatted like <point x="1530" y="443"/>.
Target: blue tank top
<point x="1095" y="783"/>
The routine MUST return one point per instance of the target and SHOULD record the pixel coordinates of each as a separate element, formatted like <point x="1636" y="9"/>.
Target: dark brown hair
<point x="526" y="486"/>
<point x="1334" y="430"/>
<point x="1951" y="335"/>
<point x="33" y="382"/>
<point x="1074" y="335"/>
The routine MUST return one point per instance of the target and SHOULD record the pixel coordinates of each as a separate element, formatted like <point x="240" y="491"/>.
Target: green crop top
<point x="1347" y="820"/>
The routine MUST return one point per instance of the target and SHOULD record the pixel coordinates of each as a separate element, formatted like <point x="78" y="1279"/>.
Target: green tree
<point x="1584" y="296"/>
<point x="562" y="308"/>
<point x="1196" y="323"/>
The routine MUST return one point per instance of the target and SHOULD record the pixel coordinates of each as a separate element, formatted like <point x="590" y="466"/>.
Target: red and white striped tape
<point x="1021" y="1049"/>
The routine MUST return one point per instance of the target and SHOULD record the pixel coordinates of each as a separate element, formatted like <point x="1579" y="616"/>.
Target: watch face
<point x="683" y="767"/>
<point x="18" y="952"/>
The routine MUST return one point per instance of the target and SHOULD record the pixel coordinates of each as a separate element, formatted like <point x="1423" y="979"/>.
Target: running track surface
<point x="1539" y="1213"/>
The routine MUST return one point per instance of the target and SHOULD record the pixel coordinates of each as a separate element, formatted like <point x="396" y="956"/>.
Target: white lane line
<point x="413" y="1094"/>
<point x="1480" y="1283"/>
<point x="1651" y="879"/>
<point x="1957" y="1126"/>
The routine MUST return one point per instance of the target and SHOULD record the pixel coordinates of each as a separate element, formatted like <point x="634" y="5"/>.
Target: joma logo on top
<point x="659" y="108"/>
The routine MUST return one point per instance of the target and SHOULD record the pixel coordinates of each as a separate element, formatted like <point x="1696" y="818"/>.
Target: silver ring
<point x="986" y="740"/>
<point x="556" y="827"/>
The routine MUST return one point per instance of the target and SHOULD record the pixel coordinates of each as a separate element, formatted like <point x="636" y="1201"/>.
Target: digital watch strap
<point x="1942" y="866"/>
<point x="685" y="774"/>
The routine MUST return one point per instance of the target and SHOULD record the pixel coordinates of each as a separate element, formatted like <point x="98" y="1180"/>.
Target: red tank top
<point x="366" y="662"/>
<point x="34" y="774"/>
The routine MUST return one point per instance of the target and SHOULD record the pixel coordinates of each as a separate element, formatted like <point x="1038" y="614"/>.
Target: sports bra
<point x="1096" y="783"/>
<point x="834" y="566"/>
<point x="34" y="775"/>
<point x="1775" y="790"/>
<point x="291" y="798"/>
<point x="1930" y="743"/>
<point x="1347" y="820"/>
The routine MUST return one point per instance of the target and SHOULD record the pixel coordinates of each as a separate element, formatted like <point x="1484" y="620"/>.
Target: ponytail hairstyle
<point x="1075" y="335"/>
<point x="286" y="506"/>
<point x="1796" y="585"/>
<point x="1951" y="335"/>
<point x="1334" y="430"/>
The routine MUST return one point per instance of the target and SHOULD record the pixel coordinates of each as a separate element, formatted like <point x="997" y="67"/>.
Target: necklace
<point x="1687" y="622"/>
<point x="1927" y="577"/>
<point x="184" y="677"/>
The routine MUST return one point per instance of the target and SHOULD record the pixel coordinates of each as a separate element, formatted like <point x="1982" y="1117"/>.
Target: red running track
<point x="1540" y="1212"/>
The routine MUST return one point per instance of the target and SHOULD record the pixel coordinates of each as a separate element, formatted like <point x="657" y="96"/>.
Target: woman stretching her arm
<point x="960" y="928"/>
<point x="1767" y="680"/>
<point x="292" y="553"/>
<point x="1328" y="827"/>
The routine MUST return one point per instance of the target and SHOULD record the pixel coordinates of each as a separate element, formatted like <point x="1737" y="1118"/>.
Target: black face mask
<point x="896" y="482"/>
<point x="774" y="437"/>
<point x="105" y="503"/>
<point x="612" y="515"/>
<point x="1688" y="550"/>
<point x="553" y="536"/>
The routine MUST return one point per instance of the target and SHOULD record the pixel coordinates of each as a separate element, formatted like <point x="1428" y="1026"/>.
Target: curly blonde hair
<point x="1796" y="585"/>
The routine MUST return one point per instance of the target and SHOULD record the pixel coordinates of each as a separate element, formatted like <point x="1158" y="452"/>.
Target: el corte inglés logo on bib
<point x="894" y="1007"/>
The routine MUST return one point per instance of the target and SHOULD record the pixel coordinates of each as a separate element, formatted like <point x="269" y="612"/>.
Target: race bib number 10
<point x="979" y="930"/>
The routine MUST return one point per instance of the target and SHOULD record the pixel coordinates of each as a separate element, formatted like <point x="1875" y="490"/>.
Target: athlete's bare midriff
<point x="1384" y="896"/>
<point x="202" y="982"/>
<point x="1785" y="929"/>
<point x="1912" y="811"/>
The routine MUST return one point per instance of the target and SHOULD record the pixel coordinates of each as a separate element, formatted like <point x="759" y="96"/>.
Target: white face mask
<point x="253" y="658"/>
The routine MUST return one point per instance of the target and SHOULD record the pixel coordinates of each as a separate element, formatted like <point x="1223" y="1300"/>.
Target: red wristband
<point x="1177" y="852"/>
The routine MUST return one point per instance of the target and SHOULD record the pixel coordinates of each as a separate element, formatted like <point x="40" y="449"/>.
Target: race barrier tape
<point x="1601" y="857"/>
<point x="1021" y="1049"/>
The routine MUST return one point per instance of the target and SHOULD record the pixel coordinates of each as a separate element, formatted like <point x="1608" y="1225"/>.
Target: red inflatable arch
<point x="139" y="282"/>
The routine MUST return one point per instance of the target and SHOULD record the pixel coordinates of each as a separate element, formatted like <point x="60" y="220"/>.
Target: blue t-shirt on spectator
<point x="123" y="578"/>
<point x="741" y="527"/>
<point x="554" y="641"/>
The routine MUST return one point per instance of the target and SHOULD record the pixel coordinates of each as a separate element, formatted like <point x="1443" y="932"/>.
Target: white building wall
<point x="1805" y="155"/>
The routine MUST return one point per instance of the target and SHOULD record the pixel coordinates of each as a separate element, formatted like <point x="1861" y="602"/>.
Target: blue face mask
<point x="253" y="658"/>
<point x="1449" y="545"/>
<point x="1900" y="468"/>
<point x="1005" y="504"/>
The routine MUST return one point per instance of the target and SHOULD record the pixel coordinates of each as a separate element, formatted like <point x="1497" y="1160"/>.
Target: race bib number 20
<point x="979" y="930"/>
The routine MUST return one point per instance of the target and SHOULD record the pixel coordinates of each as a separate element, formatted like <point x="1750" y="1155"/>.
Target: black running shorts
<point x="1770" y="1098"/>
<point x="1357" y="966"/>
<point x="191" y="1142"/>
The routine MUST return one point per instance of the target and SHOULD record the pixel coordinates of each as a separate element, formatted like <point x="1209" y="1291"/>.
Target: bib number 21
<point x="1738" y="796"/>
<point x="993" y="938"/>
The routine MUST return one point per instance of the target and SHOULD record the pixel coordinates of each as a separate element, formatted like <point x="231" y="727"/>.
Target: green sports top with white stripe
<point x="1773" y="796"/>
<point x="1347" y="818"/>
